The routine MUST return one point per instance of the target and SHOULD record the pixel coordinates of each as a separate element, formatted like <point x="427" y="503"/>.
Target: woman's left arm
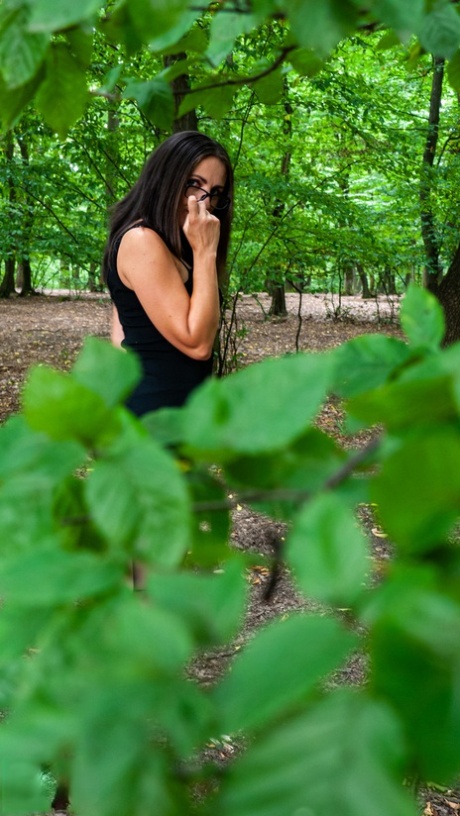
<point x="117" y="334"/>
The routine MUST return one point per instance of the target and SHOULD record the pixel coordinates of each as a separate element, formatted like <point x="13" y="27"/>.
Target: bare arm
<point x="117" y="333"/>
<point x="147" y="266"/>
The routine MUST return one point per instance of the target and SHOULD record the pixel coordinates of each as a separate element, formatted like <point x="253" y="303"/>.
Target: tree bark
<point x="277" y="287"/>
<point x="433" y="269"/>
<point x="7" y="286"/>
<point x="180" y="87"/>
<point x="448" y="294"/>
<point x="366" y="293"/>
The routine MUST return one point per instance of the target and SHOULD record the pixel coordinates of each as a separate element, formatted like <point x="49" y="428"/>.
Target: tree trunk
<point x="276" y="287"/>
<point x="24" y="274"/>
<point x="366" y="293"/>
<point x="7" y="285"/>
<point x="433" y="269"/>
<point x="180" y="87"/>
<point x="24" y="278"/>
<point x="278" y="304"/>
<point x="448" y="294"/>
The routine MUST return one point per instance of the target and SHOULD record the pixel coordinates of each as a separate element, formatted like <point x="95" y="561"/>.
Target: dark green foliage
<point x="95" y="679"/>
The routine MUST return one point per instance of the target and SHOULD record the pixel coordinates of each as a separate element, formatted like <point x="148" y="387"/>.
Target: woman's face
<point x="208" y="176"/>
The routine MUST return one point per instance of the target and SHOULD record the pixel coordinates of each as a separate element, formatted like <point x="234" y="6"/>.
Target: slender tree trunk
<point x="433" y="268"/>
<point x="277" y="287"/>
<point x="24" y="276"/>
<point x="7" y="286"/>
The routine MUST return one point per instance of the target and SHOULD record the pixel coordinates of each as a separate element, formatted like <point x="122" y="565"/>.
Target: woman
<point x="164" y="259"/>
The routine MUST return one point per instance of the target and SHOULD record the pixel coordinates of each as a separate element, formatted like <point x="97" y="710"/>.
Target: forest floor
<point x="51" y="328"/>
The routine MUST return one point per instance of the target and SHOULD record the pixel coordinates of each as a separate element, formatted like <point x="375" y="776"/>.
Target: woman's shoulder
<point x="143" y="240"/>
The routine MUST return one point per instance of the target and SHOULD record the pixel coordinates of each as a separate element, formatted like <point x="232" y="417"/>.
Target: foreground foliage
<point x="95" y="679"/>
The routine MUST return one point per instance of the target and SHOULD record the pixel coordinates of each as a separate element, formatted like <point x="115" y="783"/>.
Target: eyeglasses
<point x="217" y="200"/>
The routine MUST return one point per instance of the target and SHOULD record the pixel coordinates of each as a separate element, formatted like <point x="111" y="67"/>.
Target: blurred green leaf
<point x="21" y="52"/>
<point x="63" y="95"/>
<point x="321" y="26"/>
<point x="49" y="576"/>
<point x="367" y="362"/>
<point x="212" y="605"/>
<point x="138" y="500"/>
<point x="415" y="665"/>
<point x="355" y="741"/>
<point x="52" y="15"/>
<point x="60" y="406"/>
<point x="439" y="31"/>
<point x="278" y="668"/>
<point x="106" y="370"/>
<point x="226" y="26"/>
<point x="422" y="317"/>
<point x="259" y="409"/>
<point x="328" y="552"/>
<point x="155" y="100"/>
<point x="418" y="488"/>
<point x="404" y="17"/>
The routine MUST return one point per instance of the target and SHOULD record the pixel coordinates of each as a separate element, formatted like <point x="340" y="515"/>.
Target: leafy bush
<point x="95" y="680"/>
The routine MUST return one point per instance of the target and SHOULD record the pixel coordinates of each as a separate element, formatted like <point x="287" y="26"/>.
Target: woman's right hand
<point x="201" y="227"/>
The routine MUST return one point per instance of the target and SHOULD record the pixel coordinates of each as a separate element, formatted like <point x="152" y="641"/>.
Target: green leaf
<point x="26" y="453"/>
<point x="81" y="46"/>
<point x="440" y="31"/>
<point x="279" y="667"/>
<point x="225" y="28"/>
<point x="112" y="749"/>
<point x="404" y="17"/>
<point x="21" y="53"/>
<point x="405" y="404"/>
<point x="63" y="408"/>
<point x="138" y="500"/>
<point x="415" y="666"/>
<point x="212" y="606"/>
<point x="366" y="362"/>
<point x="13" y="101"/>
<point x="165" y="425"/>
<point x="54" y="15"/>
<point x="155" y="639"/>
<point x="305" y="61"/>
<point x="270" y="88"/>
<point x="259" y="409"/>
<point x="194" y="41"/>
<point x="210" y="528"/>
<point x="63" y="95"/>
<point x="106" y="370"/>
<point x="155" y="99"/>
<point x="332" y="759"/>
<point x="215" y="101"/>
<point x="24" y="789"/>
<point x="305" y="464"/>
<point x="422" y="318"/>
<point x="153" y="19"/>
<point x="453" y="71"/>
<point x="328" y="552"/>
<point x="46" y="577"/>
<point x="320" y="26"/>
<point x="418" y="488"/>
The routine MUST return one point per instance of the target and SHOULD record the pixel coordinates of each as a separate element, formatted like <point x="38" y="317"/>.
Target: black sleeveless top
<point x="168" y="375"/>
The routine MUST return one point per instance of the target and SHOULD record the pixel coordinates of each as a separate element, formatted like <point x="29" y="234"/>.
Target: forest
<point x="342" y="122"/>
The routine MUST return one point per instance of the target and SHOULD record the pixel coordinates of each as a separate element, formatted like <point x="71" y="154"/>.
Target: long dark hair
<point x="156" y="197"/>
